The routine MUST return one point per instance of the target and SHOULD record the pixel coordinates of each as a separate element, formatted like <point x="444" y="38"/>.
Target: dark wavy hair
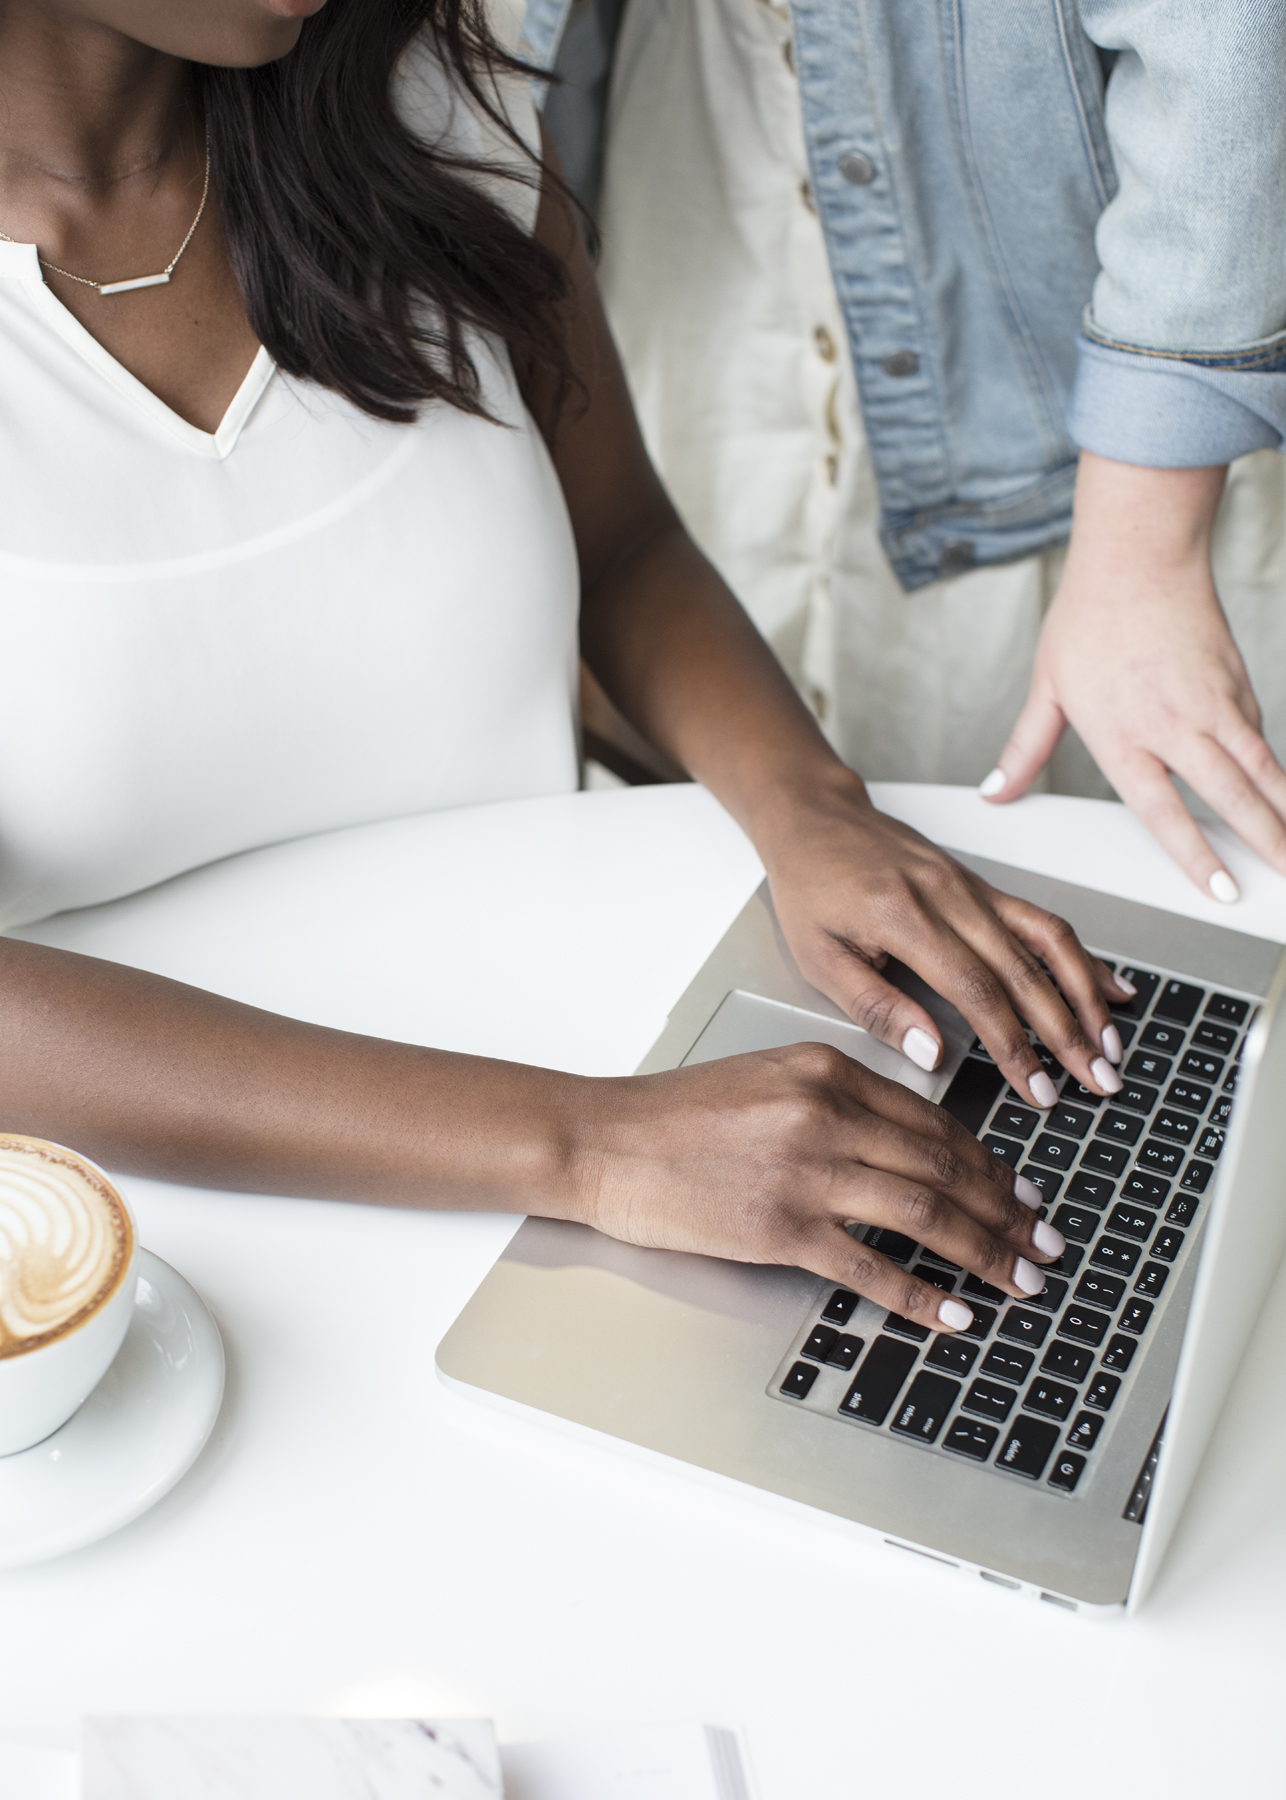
<point x="364" y="255"/>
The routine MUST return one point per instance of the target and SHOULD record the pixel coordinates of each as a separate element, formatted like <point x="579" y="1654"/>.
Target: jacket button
<point x="900" y="362"/>
<point x="955" y="559"/>
<point x="855" y="167"/>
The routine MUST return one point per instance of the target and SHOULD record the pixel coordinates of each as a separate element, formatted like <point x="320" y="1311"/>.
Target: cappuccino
<point x="66" y="1244"/>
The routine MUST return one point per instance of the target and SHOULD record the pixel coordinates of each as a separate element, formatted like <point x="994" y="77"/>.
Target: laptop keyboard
<point x="1031" y="1387"/>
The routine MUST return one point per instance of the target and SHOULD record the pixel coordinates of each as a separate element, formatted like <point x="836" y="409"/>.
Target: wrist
<point x="790" y="799"/>
<point x="1134" y="522"/>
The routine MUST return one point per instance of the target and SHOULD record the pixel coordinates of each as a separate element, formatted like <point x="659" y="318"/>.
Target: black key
<point x="938" y="1278"/>
<point x="1167" y="1243"/>
<point x="1023" y="1327"/>
<point x="1005" y="1148"/>
<point x="1100" y="1290"/>
<point x="1136" y="1096"/>
<point x="990" y="1400"/>
<point x="905" y="1327"/>
<point x="1230" y="1080"/>
<point x="1221" y="1111"/>
<point x="1146" y="983"/>
<point x="1102" y="1391"/>
<point x="923" y="1412"/>
<point x="1210" y="1143"/>
<point x="984" y="1317"/>
<point x="982" y="1290"/>
<point x="1084" y="1433"/>
<point x="953" y="1354"/>
<point x="1182" y="1210"/>
<point x="1068" y="1263"/>
<point x="1007" y="1363"/>
<point x="1170" y="1123"/>
<point x="1056" y="1152"/>
<point x="1224" y="1006"/>
<point x="1044" y="1179"/>
<point x="1131" y="1221"/>
<point x="892" y="1244"/>
<point x="941" y="1261"/>
<point x="1134" y="1317"/>
<point x="1196" y="1178"/>
<point x="841" y="1306"/>
<point x="1188" y="1093"/>
<point x="1066" y="1472"/>
<point x="1152" y="1278"/>
<point x="1049" y="1398"/>
<point x="973" y="1090"/>
<point x="1219" y="1038"/>
<point x="1027" y="1447"/>
<point x="797" y="1383"/>
<point x="1104" y="1158"/>
<point x="1201" y="1064"/>
<point x="1094" y="1190"/>
<point x="1147" y="1065"/>
<point x="822" y="1341"/>
<point x="1150" y="1190"/>
<point x="968" y="1437"/>
<point x="1015" y="1121"/>
<point x="1119" y="1354"/>
<point x="1083" y="1096"/>
<point x="1073" y="1120"/>
<point x="1119" y="1127"/>
<point x="1085" y="1326"/>
<point x="1048" y="1061"/>
<point x="887" y="1366"/>
<point x="846" y="1352"/>
<point x="1114" y="1254"/>
<point x="1161" y="1159"/>
<point x="1051" y="1296"/>
<point x="1071" y="1361"/>
<point x="1178" y="1001"/>
<point x="1077" y="1223"/>
<point x="1159" y="1036"/>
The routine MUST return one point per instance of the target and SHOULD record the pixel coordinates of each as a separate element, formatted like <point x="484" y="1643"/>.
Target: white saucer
<point x="138" y="1432"/>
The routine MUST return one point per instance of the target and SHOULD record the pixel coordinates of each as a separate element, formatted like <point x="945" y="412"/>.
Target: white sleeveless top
<point x="306" y="620"/>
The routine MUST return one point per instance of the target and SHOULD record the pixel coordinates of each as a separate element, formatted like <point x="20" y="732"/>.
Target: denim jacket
<point x="1050" y="224"/>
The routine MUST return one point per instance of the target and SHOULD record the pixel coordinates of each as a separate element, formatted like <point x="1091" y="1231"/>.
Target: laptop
<point x="1049" y="1449"/>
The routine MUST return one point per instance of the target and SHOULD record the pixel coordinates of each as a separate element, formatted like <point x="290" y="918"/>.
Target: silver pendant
<point x="124" y="287"/>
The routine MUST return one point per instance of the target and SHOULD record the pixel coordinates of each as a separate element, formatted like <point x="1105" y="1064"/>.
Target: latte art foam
<point x="65" y="1239"/>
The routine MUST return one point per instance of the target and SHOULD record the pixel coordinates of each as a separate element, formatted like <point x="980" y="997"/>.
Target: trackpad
<point x="749" y="1022"/>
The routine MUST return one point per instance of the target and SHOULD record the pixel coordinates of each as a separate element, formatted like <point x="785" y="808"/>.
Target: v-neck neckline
<point x="23" y="262"/>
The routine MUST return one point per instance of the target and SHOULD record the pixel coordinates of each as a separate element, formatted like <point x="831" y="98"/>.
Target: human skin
<point x="1136" y="654"/>
<point x="766" y="1157"/>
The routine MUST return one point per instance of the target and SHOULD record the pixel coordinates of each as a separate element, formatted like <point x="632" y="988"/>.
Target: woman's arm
<point x="682" y="661"/>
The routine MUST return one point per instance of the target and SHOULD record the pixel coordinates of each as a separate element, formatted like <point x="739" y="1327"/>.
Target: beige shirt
<point x="718" y="287"/>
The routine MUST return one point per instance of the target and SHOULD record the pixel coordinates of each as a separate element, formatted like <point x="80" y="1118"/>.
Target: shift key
<point x="887" y="1365"/>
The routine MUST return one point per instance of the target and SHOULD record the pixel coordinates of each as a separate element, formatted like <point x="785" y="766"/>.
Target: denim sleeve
<point x="1185" y="340"/>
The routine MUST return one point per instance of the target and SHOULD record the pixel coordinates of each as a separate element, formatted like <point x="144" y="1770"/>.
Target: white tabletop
<point x="358" y="1540"/>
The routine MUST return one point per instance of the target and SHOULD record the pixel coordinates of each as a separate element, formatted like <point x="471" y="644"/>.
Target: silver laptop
<point x="1051" y="1448"/>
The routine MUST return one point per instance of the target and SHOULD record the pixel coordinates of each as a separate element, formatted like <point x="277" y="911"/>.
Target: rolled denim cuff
<point x="1165" y="413"/>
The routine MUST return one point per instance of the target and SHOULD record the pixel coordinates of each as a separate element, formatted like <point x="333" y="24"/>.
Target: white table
<point x="358" y="1540"/>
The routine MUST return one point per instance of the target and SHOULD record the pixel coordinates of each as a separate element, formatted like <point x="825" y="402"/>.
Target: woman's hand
<point x="767" y="1158"/>
<point x="853" y="887"/>
<point x="1137" y="655"/>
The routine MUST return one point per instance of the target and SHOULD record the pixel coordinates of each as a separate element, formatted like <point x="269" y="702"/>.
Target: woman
<point x="294" y="538"/>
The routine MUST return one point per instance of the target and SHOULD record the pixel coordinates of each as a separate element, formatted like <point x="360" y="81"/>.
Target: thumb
<point x="886" y="1012"/>
<point x="1031" y="744"/>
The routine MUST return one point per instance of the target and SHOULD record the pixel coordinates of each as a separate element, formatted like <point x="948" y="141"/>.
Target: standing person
<point x="848" y="254"/>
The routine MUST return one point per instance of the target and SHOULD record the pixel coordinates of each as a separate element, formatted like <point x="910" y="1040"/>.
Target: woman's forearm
<point x="152" y="1077"/>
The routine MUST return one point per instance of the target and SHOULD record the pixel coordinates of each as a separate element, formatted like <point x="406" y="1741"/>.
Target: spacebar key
<point x="887" y="1365"/>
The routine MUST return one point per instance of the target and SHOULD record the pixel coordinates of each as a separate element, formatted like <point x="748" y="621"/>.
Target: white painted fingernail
<point x="1126" y="987"/>
<point x="955" y="1314"/>
<point x="1048" y="1241"/>
<point x="1113" y="1049"/>
<point x="1027" y="1277"/>
<point x="921" y="1048"/>
<point x="1041" y="1088"/>
<point x="1222" y="886"/>
<point x="993" y="784"/>
<point x="1106" y="1076"/>
<point x="1028" y="1192"/>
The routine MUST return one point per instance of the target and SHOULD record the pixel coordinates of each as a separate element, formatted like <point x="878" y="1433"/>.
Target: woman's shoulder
<point x="434" y="104"/>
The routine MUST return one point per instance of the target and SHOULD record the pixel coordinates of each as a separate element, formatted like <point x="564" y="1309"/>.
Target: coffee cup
<point x="68" y="1257"/>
